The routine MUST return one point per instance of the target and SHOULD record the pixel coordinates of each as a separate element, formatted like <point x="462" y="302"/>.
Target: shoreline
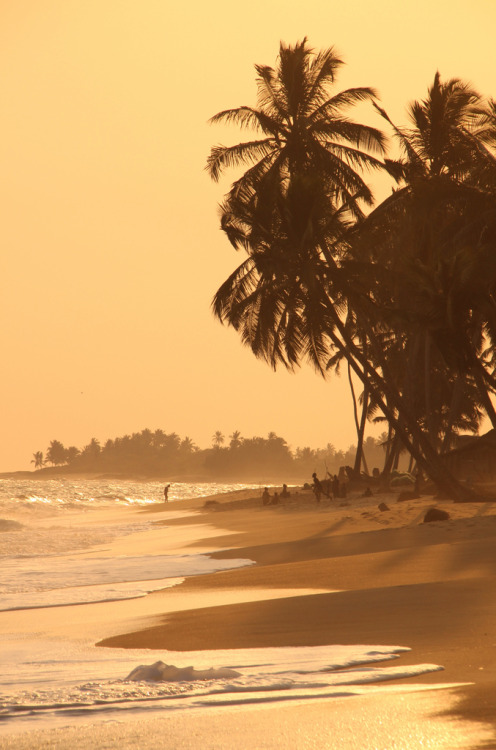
<point x="334" y="573"/>
<point x="425" y="586"/>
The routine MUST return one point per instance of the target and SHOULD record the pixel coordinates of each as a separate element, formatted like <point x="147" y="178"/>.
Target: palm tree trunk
<point x="427" y="386"/>
<point x="453" y="411"/>
<point x="360" y="425"/>
<point x="389" y="446"/>
<point x="413" y="438"/>
<point x="390" y="459"/>
<point x="411" y="465"/>
<point x="480" y="379"/>
<point x="361" y="433"/>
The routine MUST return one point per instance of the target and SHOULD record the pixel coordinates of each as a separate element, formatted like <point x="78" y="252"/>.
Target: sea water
<point x="40" y="546"/>
<point x="46" y="680"/>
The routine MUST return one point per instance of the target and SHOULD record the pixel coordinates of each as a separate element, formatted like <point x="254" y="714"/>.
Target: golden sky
<point x="110" y="247"/>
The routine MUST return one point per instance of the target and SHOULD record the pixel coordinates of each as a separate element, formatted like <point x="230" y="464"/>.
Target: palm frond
<point x="271" y="99"/>
<point x="321" y="73"/>
<point x="223" y="157"/>
<point x="346" y="98"/>
<point x="247" y="117"/>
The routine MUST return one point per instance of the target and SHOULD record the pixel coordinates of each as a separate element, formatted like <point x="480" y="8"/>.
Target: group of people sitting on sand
<point x="275" y="499"/>
<point x="335" y="486"/>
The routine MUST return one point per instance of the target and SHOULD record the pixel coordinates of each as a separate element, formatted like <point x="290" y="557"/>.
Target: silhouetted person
<point x="317" y="487"/>
<point x="266" y="496"/>
<point x="166" y="493"/>
<point x="285" y="493"/>
<point x="275" y="499"/>
<point x="335" y="486"/>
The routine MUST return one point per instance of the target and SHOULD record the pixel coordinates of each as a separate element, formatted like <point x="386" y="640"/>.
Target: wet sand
<point x="427" y="586"/>
<point x="324" y="574"/>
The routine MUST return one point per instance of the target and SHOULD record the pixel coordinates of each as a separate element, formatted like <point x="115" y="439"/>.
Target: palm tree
<point x="93" y="448"/>
<point x="218" y="439"/>
<point x="440" y="140"/>
<point x="235" y="439"/>
<point x="56" y="453"/>
<point x="38" y="460"/>
<point x="187" y="445"/>
<point x="304" y="129"/>
<point x="291" y="298"/>
<point x="72" y="453"/>
<point x="436" y="237"/>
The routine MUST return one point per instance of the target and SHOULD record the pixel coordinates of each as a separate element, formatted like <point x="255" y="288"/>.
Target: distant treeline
<point x="157" y="453"/>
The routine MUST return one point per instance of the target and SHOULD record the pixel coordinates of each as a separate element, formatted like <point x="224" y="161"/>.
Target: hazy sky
<point x="109" y="236"/>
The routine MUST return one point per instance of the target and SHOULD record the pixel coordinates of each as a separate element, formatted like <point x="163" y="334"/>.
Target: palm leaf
<point x="222" y="157"/>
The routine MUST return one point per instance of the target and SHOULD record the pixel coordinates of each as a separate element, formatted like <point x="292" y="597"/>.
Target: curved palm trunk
<point x="360" y="455"/>
<point x="363" y="423"/>
<point x="388" y="463"/>
<point x="408" y="430"/>
<point x="480" y="378"/>
<point x="453" y="411"/>
<point x="428" y="387"/>
<point x="360" y="426"/>
<point x="390" y="460"/>
<point x="389" y="446"/>
<point x="387" y="395"/>
<point x="411" y="465"/>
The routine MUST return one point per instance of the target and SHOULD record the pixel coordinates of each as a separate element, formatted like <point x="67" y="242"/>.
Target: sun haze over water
<point x="111" y="250"/>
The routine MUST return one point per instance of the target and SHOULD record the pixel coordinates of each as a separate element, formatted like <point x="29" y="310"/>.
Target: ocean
<point x="57" y="550"/>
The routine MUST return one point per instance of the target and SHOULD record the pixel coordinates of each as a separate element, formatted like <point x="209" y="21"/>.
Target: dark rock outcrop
<point x="436" y="514"/>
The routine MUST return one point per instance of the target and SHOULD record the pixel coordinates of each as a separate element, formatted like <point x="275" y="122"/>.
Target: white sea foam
<point x="51" y="558"/>
<point x="40" y="525"/>
<point x="265" y="676"/>
<point x="28" y="583"/>
<point x="45" y="495"/>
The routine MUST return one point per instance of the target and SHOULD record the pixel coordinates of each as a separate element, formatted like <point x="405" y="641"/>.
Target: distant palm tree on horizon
<point x="38" y="460"/>
<point x="218" y="439"/>
<point x="235" y="439"/>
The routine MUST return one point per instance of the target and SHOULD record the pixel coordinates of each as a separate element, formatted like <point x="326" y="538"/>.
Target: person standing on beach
<point x="335" y="485"/>
<point x="318" y="488"/>
<point x="166" y="493"/>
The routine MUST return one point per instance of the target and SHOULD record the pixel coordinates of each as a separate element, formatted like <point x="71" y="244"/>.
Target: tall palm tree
<point x="434" y="237"/>
<point x="304" y="129"/>
<point x="289" y="298"/>
<point x="290" y="212"/>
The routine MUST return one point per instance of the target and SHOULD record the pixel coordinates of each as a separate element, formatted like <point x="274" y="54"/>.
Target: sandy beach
<point x="338" y="572"/>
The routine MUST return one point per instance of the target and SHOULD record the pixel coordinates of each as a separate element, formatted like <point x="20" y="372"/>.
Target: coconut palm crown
<point x="303" y="128"/>
<point x="440" y="139"/>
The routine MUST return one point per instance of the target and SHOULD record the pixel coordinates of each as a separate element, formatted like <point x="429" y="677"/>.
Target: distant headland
<point x="156" y="454"/>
